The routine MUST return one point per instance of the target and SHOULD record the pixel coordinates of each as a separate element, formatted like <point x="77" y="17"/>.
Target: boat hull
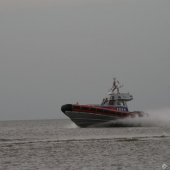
<point x="83" y="116"/>
<point x="84" y="119"/>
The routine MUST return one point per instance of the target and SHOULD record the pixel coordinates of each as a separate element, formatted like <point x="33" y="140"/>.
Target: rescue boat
<point x="113" y="107"/>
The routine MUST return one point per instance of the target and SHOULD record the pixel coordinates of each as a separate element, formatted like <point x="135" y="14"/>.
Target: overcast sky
<point x="63" y="51"/>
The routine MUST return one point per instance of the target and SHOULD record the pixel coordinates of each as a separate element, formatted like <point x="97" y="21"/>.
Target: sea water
<point x="61" y="145"/>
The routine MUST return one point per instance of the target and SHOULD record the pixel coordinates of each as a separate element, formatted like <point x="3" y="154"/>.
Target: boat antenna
<point x="116" y="85"/>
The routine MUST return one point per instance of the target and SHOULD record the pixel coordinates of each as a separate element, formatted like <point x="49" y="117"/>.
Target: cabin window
<point x="111" y="102"/>
<point x="120" y="103"/>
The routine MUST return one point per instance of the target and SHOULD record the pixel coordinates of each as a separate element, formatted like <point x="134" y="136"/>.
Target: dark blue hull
<point x="83" y="119"/>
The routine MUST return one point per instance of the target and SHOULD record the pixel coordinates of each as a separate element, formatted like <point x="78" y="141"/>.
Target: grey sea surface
<point x="61" y="145"/>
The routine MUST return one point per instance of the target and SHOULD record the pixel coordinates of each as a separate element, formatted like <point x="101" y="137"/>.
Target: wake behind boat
<point x="113" y="107"/>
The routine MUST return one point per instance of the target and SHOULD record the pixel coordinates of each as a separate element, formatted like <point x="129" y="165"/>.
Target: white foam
<point x="160" y="117"/>
<point x="71" y="125"/>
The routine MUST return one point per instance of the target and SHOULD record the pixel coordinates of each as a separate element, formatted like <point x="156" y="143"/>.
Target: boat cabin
<point x="117" y="100"/>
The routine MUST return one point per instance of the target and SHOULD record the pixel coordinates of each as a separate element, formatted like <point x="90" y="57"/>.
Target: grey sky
<point x="57" y="52"/>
